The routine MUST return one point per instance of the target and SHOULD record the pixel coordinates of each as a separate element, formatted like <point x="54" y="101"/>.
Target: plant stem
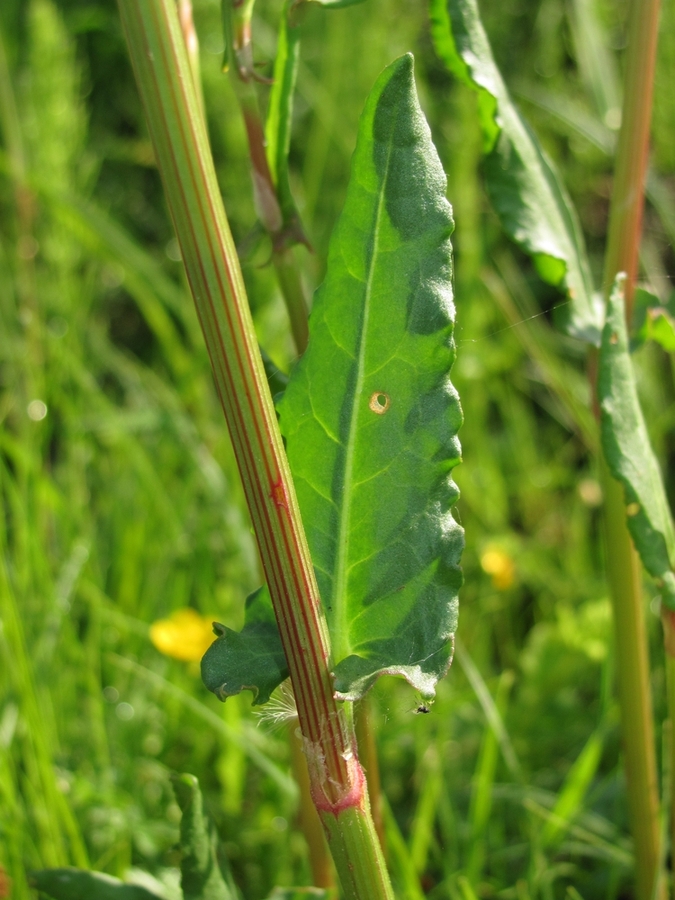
<point x="356" y="850"/>
<point x="365" y="738"/>
<point x="270" y="213"/>
<point x="319" y="857"/>
<point x="637" y="726"/>
<point x="337" y="782"/>
<point x="290" y="282"/>
<point x="264" y="193"/>
<point x="283" y="227"/>
<point x="625" y="219"/>
<point x="668" y="619"/>
<point x="624" y="570"/>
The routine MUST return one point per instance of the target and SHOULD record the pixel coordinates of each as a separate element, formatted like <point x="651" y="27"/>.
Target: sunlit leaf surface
<point x="370" y="416"/>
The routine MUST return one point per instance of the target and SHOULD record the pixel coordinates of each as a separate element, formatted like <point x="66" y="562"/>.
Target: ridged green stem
<point x="290" y="283"/>
<point x="356" y="850"/>
<point x="166" y="85"/>
<point x="637" y="726"/>
<point x="624" y="570"/>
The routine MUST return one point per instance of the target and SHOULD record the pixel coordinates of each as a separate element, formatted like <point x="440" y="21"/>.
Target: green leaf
<point x="280" y="114"/>
<point x="77" y="884"/>
<point x="250" y="660"/>
<point x="201" y="878"/>
<point x="662" y="329"/>
<point x="629" y="454"/>
<point x="522" y="182"/>
<point x="653" y="321"/>
<point x="370" y="417"/>
<point x="370" y="420"/>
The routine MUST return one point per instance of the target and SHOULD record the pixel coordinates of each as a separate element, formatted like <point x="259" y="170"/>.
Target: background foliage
<point x="122" y="504"/>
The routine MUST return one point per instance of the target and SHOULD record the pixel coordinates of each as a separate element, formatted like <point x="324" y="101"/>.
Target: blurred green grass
<point x="122" y="502"/>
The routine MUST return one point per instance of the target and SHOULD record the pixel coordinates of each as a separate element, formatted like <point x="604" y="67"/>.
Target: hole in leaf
<point x="379" y="403"/>
<point x="614" y="338"/>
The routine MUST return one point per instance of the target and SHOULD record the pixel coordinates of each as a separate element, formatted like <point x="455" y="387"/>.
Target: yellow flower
<point x="184" y="635"/>
<point x="498" y="563"/>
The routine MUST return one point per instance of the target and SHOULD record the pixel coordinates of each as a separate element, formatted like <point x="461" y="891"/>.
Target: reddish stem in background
<point x="625" y="222"/>
<point x="623" y="567"/>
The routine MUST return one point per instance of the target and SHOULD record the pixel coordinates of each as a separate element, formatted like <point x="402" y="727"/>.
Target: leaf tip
<point x="184" y="787"/>
<point x="402" y="69"/>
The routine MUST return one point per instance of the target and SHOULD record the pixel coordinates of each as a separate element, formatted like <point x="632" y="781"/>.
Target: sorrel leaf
<point x="201" y="878"/>
<point x="370" y="420"/>
<point x="629" y="454"/>
<point x="370" y="417"/>
<point x="522" y="182"/>
<point x="78" y="884"/>
<point x="252" y="659"/>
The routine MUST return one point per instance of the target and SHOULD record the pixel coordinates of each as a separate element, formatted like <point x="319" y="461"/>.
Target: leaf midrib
<point x="340" y="571"/>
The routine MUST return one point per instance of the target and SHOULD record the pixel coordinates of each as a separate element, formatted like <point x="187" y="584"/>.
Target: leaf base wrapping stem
<point x="346" y="816"/>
